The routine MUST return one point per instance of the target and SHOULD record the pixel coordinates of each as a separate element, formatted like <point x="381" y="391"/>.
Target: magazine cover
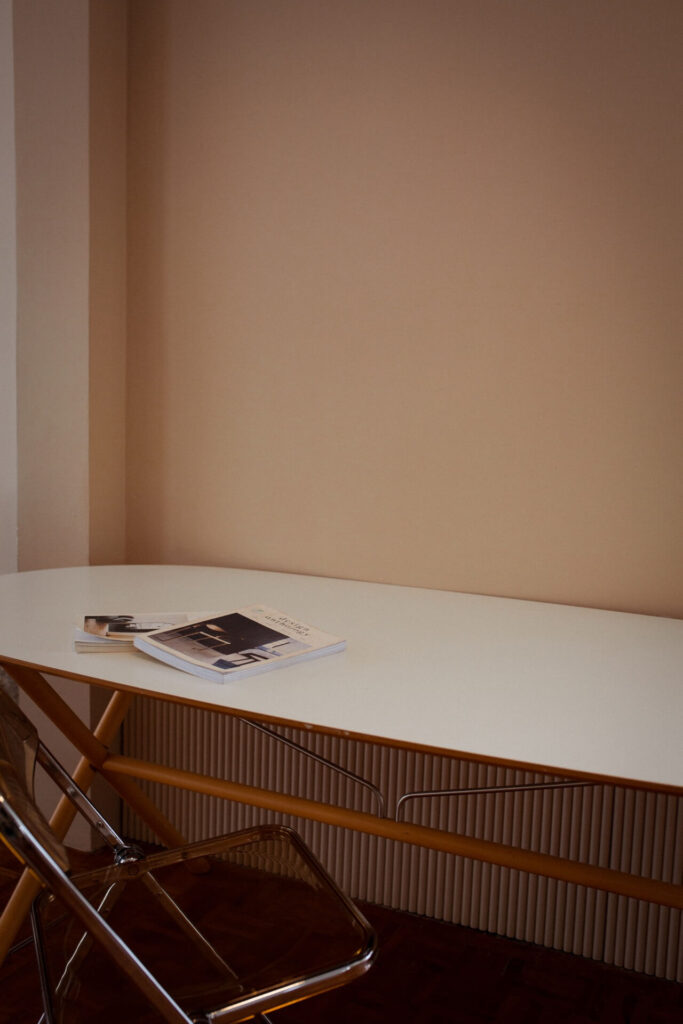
<point x="238" y="643"/>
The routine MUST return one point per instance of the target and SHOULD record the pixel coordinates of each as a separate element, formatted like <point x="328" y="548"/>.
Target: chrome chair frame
<point x="27" y="834"/>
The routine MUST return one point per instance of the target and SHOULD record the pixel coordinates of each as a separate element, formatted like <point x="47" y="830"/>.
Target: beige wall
<point x="402" y="296"/>
<point x="70" y="74"/>
<point x="51" y="84"/>
<point x="108" y="239"/>
<point x="404" y="293"/>
<point x="52" y="167"/>
<point x="8" y="300"/>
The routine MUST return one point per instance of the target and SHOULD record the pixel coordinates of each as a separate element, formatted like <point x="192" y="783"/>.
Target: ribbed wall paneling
<point x="629" y="830"/>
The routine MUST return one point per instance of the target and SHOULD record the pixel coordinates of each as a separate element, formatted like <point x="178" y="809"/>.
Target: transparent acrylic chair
<point x="213" y="932"/>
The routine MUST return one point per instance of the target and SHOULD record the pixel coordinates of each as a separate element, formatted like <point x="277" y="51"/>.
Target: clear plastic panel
<point x="18" y="747"/>
<point x="249" y="918"/>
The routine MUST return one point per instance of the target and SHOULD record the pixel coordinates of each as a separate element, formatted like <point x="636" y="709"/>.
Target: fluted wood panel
<point x="624" y="829"/>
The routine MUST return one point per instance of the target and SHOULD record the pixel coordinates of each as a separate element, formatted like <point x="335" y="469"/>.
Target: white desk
<point x="583" y="693"/>
<point x="573" y="689"/>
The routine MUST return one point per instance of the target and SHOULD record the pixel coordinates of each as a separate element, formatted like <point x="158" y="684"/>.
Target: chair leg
<point x="47" y="1016"/>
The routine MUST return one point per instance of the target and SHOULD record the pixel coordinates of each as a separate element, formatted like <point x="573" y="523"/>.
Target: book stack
<point x="110" y="633"/>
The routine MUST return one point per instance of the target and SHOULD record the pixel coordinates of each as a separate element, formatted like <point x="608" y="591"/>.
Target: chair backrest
<point x="18" y="754"/>
<point x="25" y="831"/>
<point x="341" y="945"/>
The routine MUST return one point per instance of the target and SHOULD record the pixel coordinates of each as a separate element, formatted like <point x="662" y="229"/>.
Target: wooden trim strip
<point x="664" y="893"/>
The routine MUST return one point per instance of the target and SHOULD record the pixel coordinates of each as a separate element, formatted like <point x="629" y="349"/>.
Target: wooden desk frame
<point x="123" y="772"/>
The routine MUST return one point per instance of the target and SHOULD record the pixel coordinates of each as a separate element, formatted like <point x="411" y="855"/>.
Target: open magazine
<point x="237" y="644"/>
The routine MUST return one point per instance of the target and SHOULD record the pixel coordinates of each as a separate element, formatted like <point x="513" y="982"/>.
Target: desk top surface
<point x="572" y="689"/>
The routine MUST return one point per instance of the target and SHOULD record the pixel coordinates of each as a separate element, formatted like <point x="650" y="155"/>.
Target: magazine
<point x="235" y="644"/>
<point x="101" y="633"/>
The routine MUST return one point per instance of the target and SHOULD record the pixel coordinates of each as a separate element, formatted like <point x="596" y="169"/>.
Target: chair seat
<point x="211" y="933"/>
<point x="273" y="917"/>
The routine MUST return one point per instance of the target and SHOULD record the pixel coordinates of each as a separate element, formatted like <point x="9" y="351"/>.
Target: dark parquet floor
<point x="428" y="972"/>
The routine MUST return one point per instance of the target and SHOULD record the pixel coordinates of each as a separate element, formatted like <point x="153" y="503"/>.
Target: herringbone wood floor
<point x="428" y="972"/>
<point x="434" y="973"/>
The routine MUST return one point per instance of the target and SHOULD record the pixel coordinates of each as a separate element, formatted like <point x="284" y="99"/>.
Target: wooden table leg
<point x="94" y="749"/>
